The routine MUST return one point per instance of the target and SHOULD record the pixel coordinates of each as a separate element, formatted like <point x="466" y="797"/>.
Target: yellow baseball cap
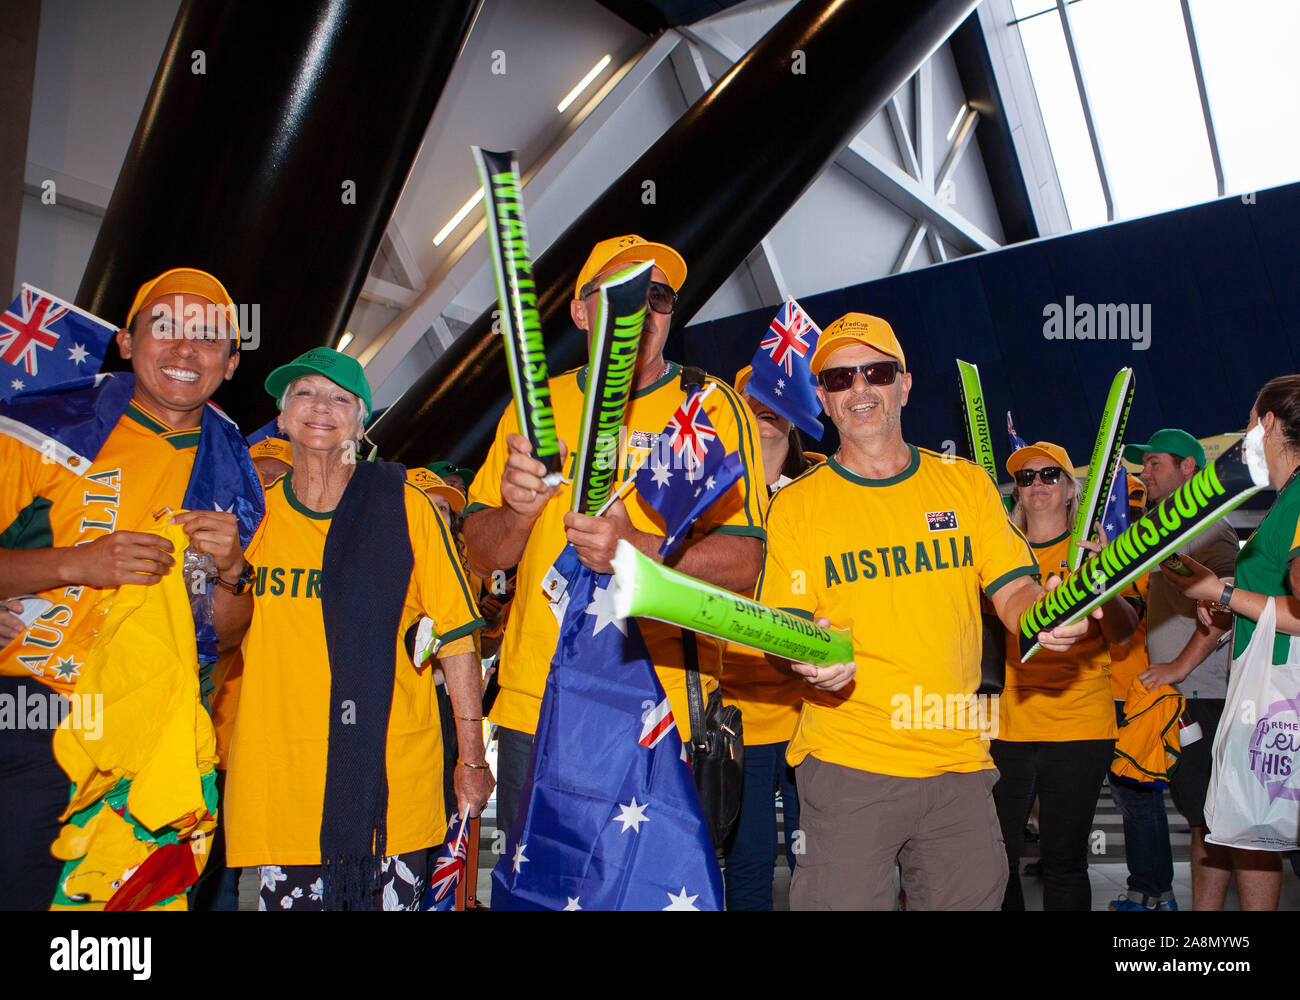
<point x="631" y="250"/>
<point x="742" y="378"/>
<point x="1040" y="449"/>
<point x="272" y="447"/>
<point x="430" y="482"/>
<point x="186" y="281"/>
<point x="857" y="328"/>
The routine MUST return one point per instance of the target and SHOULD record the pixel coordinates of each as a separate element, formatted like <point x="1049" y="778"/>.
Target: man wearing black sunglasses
<point x="895" y="543"/>
<point x="513" y="518"/>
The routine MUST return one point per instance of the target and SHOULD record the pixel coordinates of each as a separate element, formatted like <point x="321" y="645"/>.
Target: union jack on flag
<point x="691" y="431"/>
<point x="44" y="340"/>
<point x="448" y="868"/>
<point x="787" y="336"/>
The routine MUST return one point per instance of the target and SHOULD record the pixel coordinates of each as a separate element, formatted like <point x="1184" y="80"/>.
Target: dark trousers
<point x="1066" y="777"/>
<point x="1147" y="850"/>
<point x="33" y="793"/>
<point x="751" y="851"/>
<point x="514" y="749"/>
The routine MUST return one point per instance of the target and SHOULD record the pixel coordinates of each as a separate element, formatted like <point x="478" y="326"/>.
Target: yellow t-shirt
<point x="143" y="466"/>
<point x="532" y="631"/>
<point x="276" y="766"/>
<point x="900" y="562"/>
<point x="1057" y="696"/>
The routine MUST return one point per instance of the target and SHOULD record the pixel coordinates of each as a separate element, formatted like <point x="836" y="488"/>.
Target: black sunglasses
<point x="1050" y="475"/>
<point x="841" y="378"/>
<point x="660" y="297"/>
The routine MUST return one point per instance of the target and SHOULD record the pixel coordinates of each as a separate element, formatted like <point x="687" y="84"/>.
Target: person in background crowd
<point x="1266" y="567"/>
<point x="1148" y="852"/>
<point x="894" y="543"/>
<point x="1056" y="723"/>
<point x="1193" y="658"/>
<point x="334" y="776"/>
<point x="769" y="701"/>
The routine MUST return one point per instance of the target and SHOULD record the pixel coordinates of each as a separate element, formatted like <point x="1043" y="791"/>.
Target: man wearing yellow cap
<point x="895" y="543"/>
<point x="513" y="518"/>
<point x="87" y="465"/>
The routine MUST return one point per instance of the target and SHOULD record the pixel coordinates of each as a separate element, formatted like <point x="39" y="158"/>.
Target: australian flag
<point x="782" y="377"/>
<point x="688" y="469"/>
<point x="1114" y="513"/>
<point x="44" y="340"/>
<point x="611" y="819"/>
<point x="1017" y="442"/>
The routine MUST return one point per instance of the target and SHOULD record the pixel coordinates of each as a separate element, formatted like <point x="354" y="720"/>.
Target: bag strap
<point x="694" y="690"/>
<point x="692" y="379"/>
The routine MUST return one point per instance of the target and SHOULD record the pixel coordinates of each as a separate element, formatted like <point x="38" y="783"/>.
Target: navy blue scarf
<point x="365" y="572"/>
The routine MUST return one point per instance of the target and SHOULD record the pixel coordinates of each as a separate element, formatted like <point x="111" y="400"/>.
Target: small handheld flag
<point x="781" y="377"/>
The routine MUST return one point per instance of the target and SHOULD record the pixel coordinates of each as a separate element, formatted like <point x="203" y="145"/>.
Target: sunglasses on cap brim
<point x="842" y="377"/>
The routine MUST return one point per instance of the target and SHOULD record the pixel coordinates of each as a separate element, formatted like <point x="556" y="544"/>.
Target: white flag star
<point x="572" y="903"/>
<point x="710" y="483"/>
<point x="224" y="510"/>
<point x="519" y="857"/>
<point x="16" y="384"/>
<point x="661" y="474"/>
<point x="682" y="901"/>
<point x="77" y="353"/>
<point x="632" y="816"/>
<point x="780" y="383"/>
<point x="602" y="609"/>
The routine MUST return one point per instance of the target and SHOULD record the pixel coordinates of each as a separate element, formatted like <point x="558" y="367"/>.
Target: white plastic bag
<point x="1253" y="800"/>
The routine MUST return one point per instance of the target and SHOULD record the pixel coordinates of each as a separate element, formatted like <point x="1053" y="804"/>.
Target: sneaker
<point x="1140" y="901"/>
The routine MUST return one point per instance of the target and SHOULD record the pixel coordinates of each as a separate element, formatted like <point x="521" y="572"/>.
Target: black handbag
<point x="716" y="750"/>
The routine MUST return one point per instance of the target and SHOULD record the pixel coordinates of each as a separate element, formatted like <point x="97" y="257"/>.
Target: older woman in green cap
<point x="334" y="787"/>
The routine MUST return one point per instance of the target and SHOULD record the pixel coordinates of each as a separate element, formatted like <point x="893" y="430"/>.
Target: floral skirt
<point x="301" y="887"/>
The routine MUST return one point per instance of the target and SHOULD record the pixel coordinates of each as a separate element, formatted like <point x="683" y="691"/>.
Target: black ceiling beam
<point x="719" y="179"/>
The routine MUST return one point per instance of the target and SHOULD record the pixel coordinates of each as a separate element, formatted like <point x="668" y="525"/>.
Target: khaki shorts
<point x="942" y="832"/>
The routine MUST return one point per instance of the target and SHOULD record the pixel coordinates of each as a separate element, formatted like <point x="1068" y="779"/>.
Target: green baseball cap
<point x="344" y="371"/>
<point x="445" y="469"/>
<point x="1171" y="441"/>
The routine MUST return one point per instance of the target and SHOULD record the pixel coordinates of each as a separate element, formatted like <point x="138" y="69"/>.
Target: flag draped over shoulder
<point x="44" y="340"/>
<point x="70" y="422"/>
<point x="611" y="818"/>
<point x="781" y="375"/>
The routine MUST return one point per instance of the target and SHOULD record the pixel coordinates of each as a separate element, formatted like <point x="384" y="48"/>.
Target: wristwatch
<point x="242" y="582"/>
<point x="1225" y="599"/>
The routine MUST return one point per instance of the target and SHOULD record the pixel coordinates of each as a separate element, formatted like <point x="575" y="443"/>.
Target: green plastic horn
<point x="644" y="588"/>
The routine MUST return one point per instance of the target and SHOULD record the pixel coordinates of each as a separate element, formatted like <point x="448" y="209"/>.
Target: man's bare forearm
<point x="729" y="561"/>
<point x="494" y="539"/>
